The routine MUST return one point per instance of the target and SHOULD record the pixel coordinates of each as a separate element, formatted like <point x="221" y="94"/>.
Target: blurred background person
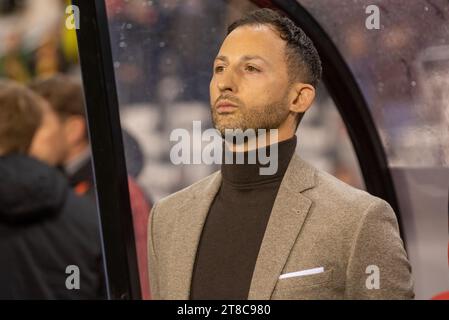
<point x="65" y="96"/>
<point x="44" y="226"/>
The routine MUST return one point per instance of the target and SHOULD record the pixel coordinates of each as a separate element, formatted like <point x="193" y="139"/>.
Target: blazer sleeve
<point x="378" y="267"/>
<point x="153" y="272"/>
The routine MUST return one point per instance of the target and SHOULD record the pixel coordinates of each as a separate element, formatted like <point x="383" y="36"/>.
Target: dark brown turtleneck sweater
<point x="234" y="228"/>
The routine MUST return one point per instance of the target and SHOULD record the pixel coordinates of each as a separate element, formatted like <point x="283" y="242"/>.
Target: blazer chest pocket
<point x="292" y="282"/>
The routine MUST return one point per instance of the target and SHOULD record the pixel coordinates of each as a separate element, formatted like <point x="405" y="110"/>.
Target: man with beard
<point x="296" y="234"/>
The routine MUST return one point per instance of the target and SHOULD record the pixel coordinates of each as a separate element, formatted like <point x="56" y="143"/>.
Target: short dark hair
<point x="64" y="93"/>
<point x="20" y="117"/>
<point x="303" y="61"/>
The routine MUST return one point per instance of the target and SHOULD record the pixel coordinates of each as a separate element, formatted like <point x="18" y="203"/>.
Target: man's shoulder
<point x="187" y="195"/>
<point x="332" y="193"/>
<point x="341" y="210"/>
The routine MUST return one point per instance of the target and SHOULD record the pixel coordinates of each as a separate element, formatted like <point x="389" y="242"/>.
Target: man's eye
<point x="252" y="69"/>
<point x="218" y="69"/>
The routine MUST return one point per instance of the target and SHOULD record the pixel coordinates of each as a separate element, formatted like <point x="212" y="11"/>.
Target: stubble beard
<point x="268" y="117"/>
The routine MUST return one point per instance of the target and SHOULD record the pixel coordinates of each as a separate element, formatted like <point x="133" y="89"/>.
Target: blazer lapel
<point x="289" y="212"/>
<point x="186" y="238"/>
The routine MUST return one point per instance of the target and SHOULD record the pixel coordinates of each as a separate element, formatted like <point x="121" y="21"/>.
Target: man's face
<point x="250" y="83"/>
<point x="48" y="142"/>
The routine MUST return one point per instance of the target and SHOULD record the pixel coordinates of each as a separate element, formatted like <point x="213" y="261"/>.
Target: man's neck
<point x="74" y="152"/>
<point x="76" y="160"/>
<point x="259" y="141"/>
<point x="261" y="168"/>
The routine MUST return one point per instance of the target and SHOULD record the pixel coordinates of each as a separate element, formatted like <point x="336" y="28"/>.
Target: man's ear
<point x="301" y="97"/>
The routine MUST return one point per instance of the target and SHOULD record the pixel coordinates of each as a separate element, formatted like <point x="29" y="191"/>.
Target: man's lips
<point x="225" y="107"/>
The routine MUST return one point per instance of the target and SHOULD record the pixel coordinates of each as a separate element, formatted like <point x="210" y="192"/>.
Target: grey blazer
<point x="324" y="240"/>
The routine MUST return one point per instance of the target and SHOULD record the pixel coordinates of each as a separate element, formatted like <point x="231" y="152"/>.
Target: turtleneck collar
<point x="246" y="174"/>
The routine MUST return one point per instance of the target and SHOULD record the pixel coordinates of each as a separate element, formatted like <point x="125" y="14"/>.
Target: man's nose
<point x="226" y="82"/>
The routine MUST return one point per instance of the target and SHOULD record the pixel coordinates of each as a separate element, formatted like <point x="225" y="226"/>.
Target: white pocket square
<point x="302" y="273"/>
